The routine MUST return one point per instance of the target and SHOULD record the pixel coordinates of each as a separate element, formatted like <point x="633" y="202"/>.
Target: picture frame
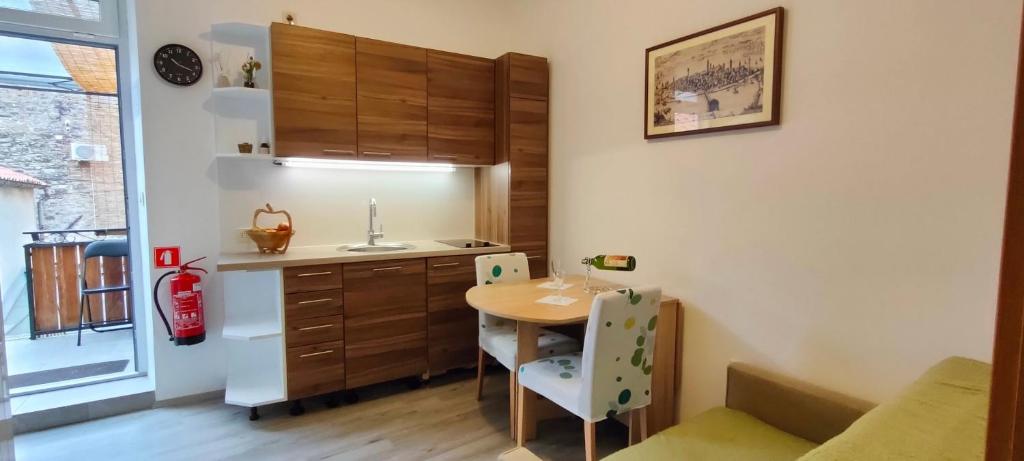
<point x="727" y="77"/>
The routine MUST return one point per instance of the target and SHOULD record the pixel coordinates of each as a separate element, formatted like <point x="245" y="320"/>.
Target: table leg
<point x="526" y="400"/>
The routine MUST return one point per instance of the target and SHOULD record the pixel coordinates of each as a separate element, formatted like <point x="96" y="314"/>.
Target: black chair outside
<point x="113" y="248"/>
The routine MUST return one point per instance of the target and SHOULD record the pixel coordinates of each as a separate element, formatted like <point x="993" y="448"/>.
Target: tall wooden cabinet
<point x="314" y="74"/>
<point x="512" y="195"/>
<point x="392" y="99"/>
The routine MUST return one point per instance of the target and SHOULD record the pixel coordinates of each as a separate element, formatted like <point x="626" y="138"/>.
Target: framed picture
<point x="724" y="78"/>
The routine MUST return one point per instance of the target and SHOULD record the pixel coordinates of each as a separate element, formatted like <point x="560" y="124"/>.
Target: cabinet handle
<point x="446" y="264"/>
<point x="314" y="354"/>
<point x="314" y="274"/>
<point x="339" y="152"/>
<point x="533" y="257"/>
<point x="314" y="301"/>
<point x="382" y="269"/>
<point x="328" y="325"/>
<point x="446" y="156"/>
<point x="378" y="154"/>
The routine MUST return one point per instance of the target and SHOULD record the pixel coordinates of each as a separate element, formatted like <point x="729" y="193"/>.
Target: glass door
<point x="64" y="266"/>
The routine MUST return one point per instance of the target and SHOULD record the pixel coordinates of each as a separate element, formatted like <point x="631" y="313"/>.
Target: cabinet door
<point x="528" y="181"/>
<point x="392" y="98"/>
<point x="314" y="75"/>
<point x="528" y="77"/>
<point x="315" y="369"/>
<point x="451" y="323"/>
<point x="385" y="321"/>
<point x="460" y="106"/>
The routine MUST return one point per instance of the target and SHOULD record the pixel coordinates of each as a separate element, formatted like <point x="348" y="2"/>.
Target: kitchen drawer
<point x="313" y="304"/>
<point x="448" y="279"/>
<point x="385" y="287"/>
<point x="312" y="278"/>
<point x="304" y="332"/>
<point x="316" y="369"/>
<point x="538" y="260"/>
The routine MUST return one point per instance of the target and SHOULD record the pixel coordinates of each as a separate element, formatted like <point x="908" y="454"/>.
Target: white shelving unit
<point x="240" y="114"/>
<point x="254" y="332"/>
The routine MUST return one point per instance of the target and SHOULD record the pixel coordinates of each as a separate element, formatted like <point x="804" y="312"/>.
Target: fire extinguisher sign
<point x="166" y="257"/>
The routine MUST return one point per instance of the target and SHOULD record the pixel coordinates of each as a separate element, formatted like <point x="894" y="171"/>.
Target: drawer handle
<point x="446" y="264"/>
<point x="392" y="268"/>
<point x="328" y="325"/>
<point x="314" y="274"/>
<point x="314" y="354"/>
<point x="339" y="151"/>
<point x="446" y="156"/>
<point x="314" y="301"/>
<point x="533" y="257"/>
<point x="378" y="154"/>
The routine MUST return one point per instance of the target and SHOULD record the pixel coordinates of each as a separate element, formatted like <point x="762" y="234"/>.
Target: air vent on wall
<point x="89" y="152"/>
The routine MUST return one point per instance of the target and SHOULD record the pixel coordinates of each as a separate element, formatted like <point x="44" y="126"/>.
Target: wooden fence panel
<point x="114" y="274"/>
<point x="68" y="285"/>
<point x="92" y="277"/>
<point x="44" y="289"/>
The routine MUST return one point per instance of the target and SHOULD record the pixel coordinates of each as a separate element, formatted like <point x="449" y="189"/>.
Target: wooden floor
<point x="440" y="421"/>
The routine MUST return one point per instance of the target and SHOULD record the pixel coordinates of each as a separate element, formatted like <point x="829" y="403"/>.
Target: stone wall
<point x="37" y="129"/>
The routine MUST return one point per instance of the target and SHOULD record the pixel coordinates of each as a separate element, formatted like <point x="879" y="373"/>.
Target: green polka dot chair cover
<point x="613" y="373"/>
<point x="498" y="335"/>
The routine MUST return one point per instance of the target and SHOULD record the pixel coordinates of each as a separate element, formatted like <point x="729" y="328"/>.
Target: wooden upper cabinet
<point x="314" y="75"/>
<point x="392" y="99"/>
<point x="460" y="105"/>
<point x="528" y="77"/>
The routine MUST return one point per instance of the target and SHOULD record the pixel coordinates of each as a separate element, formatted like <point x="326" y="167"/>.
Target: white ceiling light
<point x="364" y="165"/>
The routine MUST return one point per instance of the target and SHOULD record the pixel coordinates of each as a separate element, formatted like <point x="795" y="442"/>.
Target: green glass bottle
<point x="613" y="262"/>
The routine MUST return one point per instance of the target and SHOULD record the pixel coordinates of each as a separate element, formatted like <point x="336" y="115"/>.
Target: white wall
<point x="184" y="195"/>
<point x="852" y="246"/>
<point x="331" y="206"/>
<point x="17" y="215"/>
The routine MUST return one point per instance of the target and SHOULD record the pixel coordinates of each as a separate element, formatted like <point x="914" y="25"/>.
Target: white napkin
<point x="551" y="285"/>
<point x="557" y="300"/>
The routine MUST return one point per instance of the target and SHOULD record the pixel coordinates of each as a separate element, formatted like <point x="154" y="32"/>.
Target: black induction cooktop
<point x="467" y="243"/>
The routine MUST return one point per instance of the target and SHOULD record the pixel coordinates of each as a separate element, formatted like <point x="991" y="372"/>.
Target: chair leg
<point x="590" y="439"/>
<point x="643" y="423"/>
<point x="81" y="313"/>
<point x="479" y="373"/>
<point x="637" y="425"/>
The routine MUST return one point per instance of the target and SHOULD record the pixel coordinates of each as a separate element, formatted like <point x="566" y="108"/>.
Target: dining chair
<point x="497" y="336"/>
<point x="613" y="373"/>
<point x="113" y="248"/>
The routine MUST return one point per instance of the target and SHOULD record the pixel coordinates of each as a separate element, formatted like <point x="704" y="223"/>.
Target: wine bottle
<point x="613" y="262"/>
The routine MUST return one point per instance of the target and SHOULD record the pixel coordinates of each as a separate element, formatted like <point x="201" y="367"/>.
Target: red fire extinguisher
<point x="186" y="304"/>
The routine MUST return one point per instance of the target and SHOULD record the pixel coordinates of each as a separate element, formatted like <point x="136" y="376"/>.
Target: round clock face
<point x="178" y="64"/>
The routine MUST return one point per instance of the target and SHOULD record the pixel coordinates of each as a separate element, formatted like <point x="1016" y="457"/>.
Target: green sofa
<point x="941" y="416"/>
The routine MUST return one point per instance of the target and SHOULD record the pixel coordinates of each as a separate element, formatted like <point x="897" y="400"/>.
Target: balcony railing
<point x="53" y="268"/>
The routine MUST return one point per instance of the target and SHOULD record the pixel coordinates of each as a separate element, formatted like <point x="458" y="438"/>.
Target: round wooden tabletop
<point x="518" y="301"/>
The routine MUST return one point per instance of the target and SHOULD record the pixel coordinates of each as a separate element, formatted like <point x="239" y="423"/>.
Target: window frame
<point x="53" y="25"/>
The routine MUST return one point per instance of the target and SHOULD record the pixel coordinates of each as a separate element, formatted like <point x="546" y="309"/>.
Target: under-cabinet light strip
<point x="365" y="165"/>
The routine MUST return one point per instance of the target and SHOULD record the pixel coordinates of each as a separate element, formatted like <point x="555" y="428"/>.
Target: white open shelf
<point x="249" y="332"/>
<point x="243" y="93"/>
<point x="250" y="157"/>
<point x="253" y="396"/>
<point x="255" y="372"/>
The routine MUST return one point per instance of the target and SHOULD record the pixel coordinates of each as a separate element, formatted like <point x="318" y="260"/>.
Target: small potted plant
<point x="249" y="69"/>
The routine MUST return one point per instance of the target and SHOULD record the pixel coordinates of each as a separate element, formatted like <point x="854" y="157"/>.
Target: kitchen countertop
<point x="329" y="254"/>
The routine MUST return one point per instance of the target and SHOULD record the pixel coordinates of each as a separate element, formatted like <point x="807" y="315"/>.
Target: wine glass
<point x="558" y="272"/>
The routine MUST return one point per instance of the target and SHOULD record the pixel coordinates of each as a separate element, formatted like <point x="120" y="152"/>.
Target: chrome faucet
<point x="371" y="235"/>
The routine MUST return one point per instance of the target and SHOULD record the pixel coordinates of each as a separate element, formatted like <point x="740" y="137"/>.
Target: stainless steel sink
<point x="377" y="248"/>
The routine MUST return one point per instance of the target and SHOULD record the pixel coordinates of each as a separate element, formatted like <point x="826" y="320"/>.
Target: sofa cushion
<point x="718" y="434"/>
<point x="942" y="416"/>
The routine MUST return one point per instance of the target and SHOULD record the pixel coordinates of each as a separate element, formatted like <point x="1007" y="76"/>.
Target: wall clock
<point x="178" y="64"/>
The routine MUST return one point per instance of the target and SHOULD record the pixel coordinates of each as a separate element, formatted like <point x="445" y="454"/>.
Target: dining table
<point x="519" y="301"/>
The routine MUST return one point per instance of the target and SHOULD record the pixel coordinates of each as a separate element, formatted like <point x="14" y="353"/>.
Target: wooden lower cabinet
<point x="451" y="323"/>
<point x="385" y="320"/>
<point x="316" y="369"/>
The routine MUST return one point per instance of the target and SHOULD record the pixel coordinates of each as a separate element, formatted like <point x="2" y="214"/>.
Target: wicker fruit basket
<point x="271" y="239"/>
